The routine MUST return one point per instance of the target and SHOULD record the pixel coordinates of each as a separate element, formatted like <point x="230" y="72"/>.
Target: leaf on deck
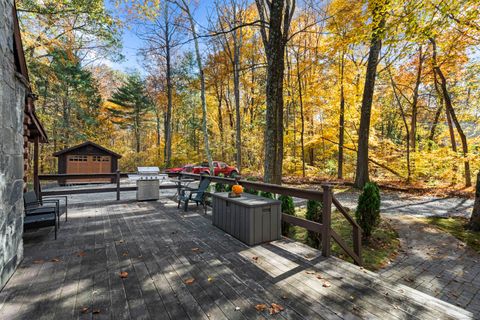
<point x="81" y="254"/>
<point x="275" y="308"/>
<point x="189" y="281"/>
<point x="124" y="274"/>
<point x="261" y="307"/>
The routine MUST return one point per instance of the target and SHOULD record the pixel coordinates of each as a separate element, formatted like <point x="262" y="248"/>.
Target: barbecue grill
<point x="148" y="183"/>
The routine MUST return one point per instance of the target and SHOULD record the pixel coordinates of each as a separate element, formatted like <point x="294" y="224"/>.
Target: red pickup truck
<point x="218" y="167"/>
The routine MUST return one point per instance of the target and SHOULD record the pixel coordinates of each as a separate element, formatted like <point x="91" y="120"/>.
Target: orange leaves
<point x="272" y="310"/>
<point x="275" y="308"/>
<point x="261" y="307"/>
<point x="123" y="274"/>
<point x="81" y="254"/>
<point x="189" y="281"/>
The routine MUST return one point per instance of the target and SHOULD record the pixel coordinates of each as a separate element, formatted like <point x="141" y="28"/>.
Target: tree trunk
<point x="404" y="118"/>
<point x="341" y="125"/>
<point x="413" y="125"/>
<point x="302" y="117"/>
<point x="361" y="177"/>
<point x="279" y="17"/>
<point x="451" y="111"/>
<point x="236" y="91"/>
<point x="168" y="119"/>
<point x="474" y="223"/>
<point x="186" y="9"/>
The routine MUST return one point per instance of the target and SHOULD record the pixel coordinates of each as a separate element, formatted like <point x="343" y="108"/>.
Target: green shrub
<point x="368" y="210"/>
<point x="220" y="187"/>
<point x="267" y="195"/>
<point x="251" y="191"/>
<point x="288" y="207"/>
<point x="314" y="213"/>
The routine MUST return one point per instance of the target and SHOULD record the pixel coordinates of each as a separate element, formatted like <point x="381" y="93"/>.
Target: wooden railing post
<point x="357" y="243"/>
<point x="326" y="219"/>
<point x="118" y="184"/>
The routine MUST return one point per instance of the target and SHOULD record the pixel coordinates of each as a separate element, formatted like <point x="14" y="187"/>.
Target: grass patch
<point x="382" y="247"/>
<point x="456" y="226"/>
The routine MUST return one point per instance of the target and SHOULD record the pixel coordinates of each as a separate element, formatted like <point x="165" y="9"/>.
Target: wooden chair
<point x="195" y="195"/>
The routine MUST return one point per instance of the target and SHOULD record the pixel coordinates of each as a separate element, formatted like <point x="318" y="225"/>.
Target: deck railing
<point x="326" y="197"/>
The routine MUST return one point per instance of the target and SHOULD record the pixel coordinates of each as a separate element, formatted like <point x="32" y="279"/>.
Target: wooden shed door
<point x="88" y="164"/>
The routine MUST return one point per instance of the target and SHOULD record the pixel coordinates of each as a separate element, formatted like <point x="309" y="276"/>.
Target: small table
<point x="249" y="218"/>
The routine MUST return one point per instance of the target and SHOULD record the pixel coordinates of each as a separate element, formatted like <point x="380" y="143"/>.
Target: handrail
<point x="326" y="197"/>
<point x="324" y="228"/>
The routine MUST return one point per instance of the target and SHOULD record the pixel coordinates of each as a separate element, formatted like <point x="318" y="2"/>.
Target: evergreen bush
<point x="368" y="210"/>
<point x="314" y="213"/>
<point x="220" y="187"/>
<point x="267" y="195"/>
<point x="251" y="191"/>
<point x="288" y="207"/>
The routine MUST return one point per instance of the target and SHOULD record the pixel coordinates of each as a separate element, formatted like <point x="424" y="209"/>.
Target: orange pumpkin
<point x="237" y="189"/>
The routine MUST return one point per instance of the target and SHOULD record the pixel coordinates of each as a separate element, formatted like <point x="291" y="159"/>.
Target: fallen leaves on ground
<point x="255" y="258"/>
<point x="81" y="254"/>
<point x="310" y="272"/>
<point x="327" y="284"/>
<point x="84" y="310"/>
<point x="55" y="260"/>
<point x="96" y="311"/>
<point x="124" y="274"/>
<point x="319" y="276"/>
<point x="189" y="281"/>
<point x="409" y="279"/>
<point x="275" y="308"/>
<point x="261" y="307"/>
<point x="125" y="254"/>
<point x="210" y="279"/>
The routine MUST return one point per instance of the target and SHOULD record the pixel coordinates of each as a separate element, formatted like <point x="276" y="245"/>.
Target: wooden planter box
<point x="251" y="219"/>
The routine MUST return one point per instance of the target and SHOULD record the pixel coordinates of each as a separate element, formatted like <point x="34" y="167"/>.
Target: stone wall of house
<point x="12" y="102"/>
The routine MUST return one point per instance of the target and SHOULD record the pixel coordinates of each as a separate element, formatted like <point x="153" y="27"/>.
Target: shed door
<point x="88" y="164"/>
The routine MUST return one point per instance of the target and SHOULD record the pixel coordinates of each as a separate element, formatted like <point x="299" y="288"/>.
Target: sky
<point x="131" y="43"/>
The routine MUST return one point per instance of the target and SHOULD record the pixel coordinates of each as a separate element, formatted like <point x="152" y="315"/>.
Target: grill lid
<point x="148" y="170"/>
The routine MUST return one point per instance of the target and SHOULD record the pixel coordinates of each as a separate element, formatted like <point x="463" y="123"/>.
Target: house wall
<point x="12" y="103"/>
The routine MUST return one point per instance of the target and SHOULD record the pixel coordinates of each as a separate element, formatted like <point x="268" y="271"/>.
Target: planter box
<point x="148" y="189"/>
<point x="251" y="219"/>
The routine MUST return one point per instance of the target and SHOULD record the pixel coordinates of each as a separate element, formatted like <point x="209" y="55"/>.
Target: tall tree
<point x="131" y="105"/>
<point x="378" y="9"/>
<point x="276" y="16"/>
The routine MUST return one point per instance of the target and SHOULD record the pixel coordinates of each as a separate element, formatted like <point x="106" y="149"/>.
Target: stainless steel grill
<point x="148" y="173"/>
<point x="148" y="183"/>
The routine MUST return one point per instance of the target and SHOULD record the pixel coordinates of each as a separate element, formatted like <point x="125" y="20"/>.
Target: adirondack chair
<point x="195" y="195"/>
<point x="34" y="206"/>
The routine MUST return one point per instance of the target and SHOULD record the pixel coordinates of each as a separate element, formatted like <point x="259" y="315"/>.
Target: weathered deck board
<point x="153" y="242"/>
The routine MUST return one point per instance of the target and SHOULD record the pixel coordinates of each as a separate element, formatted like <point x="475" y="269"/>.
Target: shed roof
<point x="86" y="143"/>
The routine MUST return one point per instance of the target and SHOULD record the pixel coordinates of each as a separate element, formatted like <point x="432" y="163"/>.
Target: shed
<point x="87" y="158"/>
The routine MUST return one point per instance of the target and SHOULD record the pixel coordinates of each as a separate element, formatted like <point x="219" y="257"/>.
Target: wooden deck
<point x="78" y="276"/>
